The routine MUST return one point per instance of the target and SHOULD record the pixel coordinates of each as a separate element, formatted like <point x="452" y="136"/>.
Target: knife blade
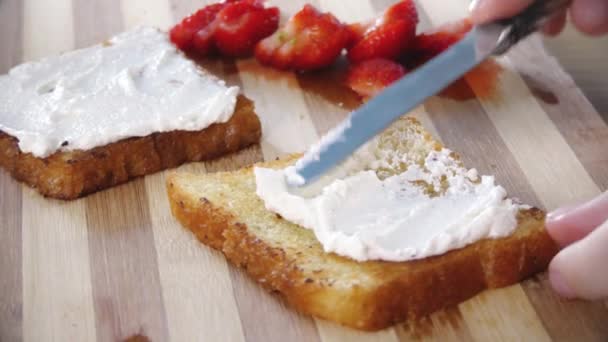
<point x="409" y="92"/>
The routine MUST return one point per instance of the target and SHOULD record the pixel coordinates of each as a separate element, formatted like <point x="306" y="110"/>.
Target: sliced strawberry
<point x="388" y="37"/>
<point x="368" y="78"/>
<point x="430" y="44"/>
<point x="310" y="40"/>
<point x="183" y="34"/>
<point x="242" y="24"/>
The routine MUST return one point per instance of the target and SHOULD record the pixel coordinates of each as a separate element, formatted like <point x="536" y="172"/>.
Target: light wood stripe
<point x="444" y="325"/>
<point x="281" y="107"/>
<point x="485" y="324"/>
<point x="11" y="285"/>
<point x="331" y="332"/>
<point x="126" y="286"/>
<point x="48" y="28"/>
<point x="155" y="13"/>
<point x="96" y="21"/>
<point x="57" y="298"/>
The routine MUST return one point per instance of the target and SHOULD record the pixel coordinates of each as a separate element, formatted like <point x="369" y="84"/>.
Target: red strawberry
<point x="368" y="78"/>
<point x="388" y="37"/>
<point x="183" y="34"/>
<point x="310" y="40"/>
<point x="430" y="44"/>
<point x="243" y="24"/>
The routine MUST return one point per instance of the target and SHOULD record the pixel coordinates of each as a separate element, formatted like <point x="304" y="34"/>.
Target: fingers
<point x="556" y="24"/>
<point x="483" y="11"/>
<point x="590" y="16"/>
<point x="579" y="271"/>
<point x="570" y="224"/>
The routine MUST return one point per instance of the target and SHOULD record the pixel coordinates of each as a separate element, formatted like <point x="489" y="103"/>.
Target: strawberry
<point x="310" y="40"/>
<point x="243" y="24"/>
<point x="387" y="37"/>
<point x="184" y="33"/>
<point x="232" y="28"/>
<point x="369" y="77"/>
<point x="430" y="44"/>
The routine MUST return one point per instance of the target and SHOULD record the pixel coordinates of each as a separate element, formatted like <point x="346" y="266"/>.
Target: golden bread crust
<point x="399" y="291"/>
<point x="70" y="175"/>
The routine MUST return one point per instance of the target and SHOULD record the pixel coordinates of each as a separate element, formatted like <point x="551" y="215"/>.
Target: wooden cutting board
<point x="117" y="265"/>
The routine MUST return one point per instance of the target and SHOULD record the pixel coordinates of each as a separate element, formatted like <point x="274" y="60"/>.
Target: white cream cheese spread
<point x="426" y="210"/>
<point x="135" y="84"/>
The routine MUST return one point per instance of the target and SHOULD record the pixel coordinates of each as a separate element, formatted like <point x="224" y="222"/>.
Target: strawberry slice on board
<point x="242" y="24"/>
<point x="370" y="77"/>
<point x="431" y="43"/>
<point x="387" y="37"/>
<point x="196" y="27"/>
<point x="231" y="28"/>
<point x="310" y="40"/>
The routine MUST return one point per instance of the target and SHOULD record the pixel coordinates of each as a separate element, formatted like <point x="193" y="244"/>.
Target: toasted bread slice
<point x="224" y="212"/>
<point x="69" y="175"/>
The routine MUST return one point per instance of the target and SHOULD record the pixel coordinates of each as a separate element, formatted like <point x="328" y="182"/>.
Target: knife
<point x="401" y="97"/>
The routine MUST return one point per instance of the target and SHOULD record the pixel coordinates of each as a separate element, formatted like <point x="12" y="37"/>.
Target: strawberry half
<point x="232" y="28"/>
<point x="196" y="26"/>
<point x="368" y="78"/>
<point x="387" y="37"/>
<point x="241" y="25"/>
<point x="310" y="40"/>
<point x="430" y="44"/>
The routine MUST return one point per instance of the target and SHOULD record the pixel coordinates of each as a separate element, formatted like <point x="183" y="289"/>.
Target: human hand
<point x="580" y="270"/>
<point x="589" y="16"/>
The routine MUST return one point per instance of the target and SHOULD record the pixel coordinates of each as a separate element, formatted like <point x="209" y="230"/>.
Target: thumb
<point x="580" y="269"/>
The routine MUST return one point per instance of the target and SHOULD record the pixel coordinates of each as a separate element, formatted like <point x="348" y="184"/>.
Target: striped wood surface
<point x="116" y="264"/>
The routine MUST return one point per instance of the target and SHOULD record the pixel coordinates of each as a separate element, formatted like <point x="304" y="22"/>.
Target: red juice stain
<point x="485" y="77"/>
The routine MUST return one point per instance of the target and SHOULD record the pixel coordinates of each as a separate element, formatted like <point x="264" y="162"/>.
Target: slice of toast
<point x="224" y="212"/>
<point x="70" y="175"/>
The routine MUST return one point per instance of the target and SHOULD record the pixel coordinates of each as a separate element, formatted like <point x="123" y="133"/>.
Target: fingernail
<point x="559" y="284"/>
<point x="473" y="5"/>
<point x="559" y="212"/>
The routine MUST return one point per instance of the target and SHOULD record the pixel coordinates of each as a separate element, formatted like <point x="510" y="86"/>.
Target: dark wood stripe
<point x="96" y="21"/>
<point x="265" y="317"/>
<point x="11" y="282"/>
<point x="127" y="295"/>
<point x="11" y="33"/>
<point x="578" y="122"/>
